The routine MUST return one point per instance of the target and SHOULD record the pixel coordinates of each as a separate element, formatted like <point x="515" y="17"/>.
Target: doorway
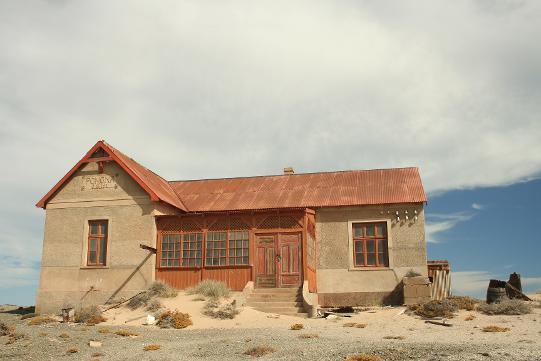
<point x="278" y="260"/>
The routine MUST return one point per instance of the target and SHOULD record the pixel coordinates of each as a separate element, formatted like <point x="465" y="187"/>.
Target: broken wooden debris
<point x="443" y="323"/>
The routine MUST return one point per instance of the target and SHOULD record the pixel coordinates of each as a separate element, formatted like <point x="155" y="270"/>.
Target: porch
<point x="272" y="249"/>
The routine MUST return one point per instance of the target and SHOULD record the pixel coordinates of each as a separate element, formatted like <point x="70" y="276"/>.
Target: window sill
<point x="369" y="269"/>
<point x="94" y="267"/>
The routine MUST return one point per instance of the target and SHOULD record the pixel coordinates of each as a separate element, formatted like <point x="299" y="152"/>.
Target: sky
<point x="199" y="89"/>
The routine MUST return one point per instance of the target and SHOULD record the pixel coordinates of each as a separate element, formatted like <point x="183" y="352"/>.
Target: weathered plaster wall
<point x="65" y="280"/>
<point x="338" y="282"/>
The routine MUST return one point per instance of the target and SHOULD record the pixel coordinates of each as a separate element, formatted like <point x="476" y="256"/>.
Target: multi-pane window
<point x="238" y="247"/>
<point x="170" y="256"/>
<point x="216" y="249"/>
<point x="191" y="249"/>
<point x="181" y="250"/>
<point x="222" y="248"/>
<point x="370" y="244"/>
<point x="97" y="243"/>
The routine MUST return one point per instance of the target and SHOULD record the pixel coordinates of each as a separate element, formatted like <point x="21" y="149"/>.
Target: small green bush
<point x="161" y="289"/>
<point x="210" y="288"/>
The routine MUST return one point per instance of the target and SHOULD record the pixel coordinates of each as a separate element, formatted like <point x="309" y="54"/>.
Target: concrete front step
<point x="281" y="310"/>
<point x="273" y="298"/>
<point x="278" y="290"/>
<point x="274" y="304"/>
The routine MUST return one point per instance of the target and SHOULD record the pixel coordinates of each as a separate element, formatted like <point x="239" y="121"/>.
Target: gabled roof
<point x="310" y="190"/>
<point x="157" y="188"/>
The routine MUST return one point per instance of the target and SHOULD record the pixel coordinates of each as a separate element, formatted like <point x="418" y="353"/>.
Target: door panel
<point x="266" y="261"/>
<point x="290" y="260"/>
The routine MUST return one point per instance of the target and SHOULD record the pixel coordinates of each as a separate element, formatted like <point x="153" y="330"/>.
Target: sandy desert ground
<point x="390" y="334"/>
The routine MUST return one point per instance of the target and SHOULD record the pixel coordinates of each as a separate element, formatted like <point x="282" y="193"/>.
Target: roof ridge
<point x="292" y="175"/>
<point x="177" y="197"/>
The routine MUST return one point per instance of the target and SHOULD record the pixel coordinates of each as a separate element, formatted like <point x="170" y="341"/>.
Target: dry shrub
<point x="42" y="334"/>
<point x="104" y="330"/>
<point x="259" y="351"/>
<point x="210" y="288"/>
<point x="90" y="315"/>
<point x="174" y="319"/>
<point x="354" y="324"/>
<point x="154" y="305"/>
<point x="297" y="326"/>
<point x="394" y="337"/>
<point x="72" y="350"/>
<point x="464" y="302"/>
<point x="413" y="273"/>
<point x="435" y="308"/>
<point x="6" y="330"/>
<point x="28" y="315"/>
<point x="152" y="347"/>
<point x="469" y="318"/>
<point x="495" y="329"/>
<point x="139" y="300"/>
<point x="215" y="310"/>
<point x="126" y="333"/>
<point x="41" y="320"/>
<point x="156" y="289"/>
<point x="161" y="289"/>
<point x="506" y="307"/>
<point x="309" y="335"/>
<point x="362" y="357"/>
<point x="15" y="336"/>
<point x="64" y="335"/>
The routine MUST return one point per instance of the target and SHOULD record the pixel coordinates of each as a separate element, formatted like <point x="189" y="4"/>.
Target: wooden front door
<point x="290" y="260"/>
<point x="279" y="260"/>
<point x="266" y="261"/>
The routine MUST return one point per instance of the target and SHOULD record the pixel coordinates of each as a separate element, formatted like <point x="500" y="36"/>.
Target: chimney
<point x="288" y="171"/>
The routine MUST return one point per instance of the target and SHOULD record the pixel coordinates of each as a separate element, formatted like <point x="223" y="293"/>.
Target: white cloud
<point x="477" y="206"/>
<point x="197" y="89"/>
<point x="439" y="223"/>
<point x="531" y="282"/>
<point x="475" y="283"/>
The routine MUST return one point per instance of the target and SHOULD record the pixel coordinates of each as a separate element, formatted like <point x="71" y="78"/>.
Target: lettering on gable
<point x="99" y="181"/>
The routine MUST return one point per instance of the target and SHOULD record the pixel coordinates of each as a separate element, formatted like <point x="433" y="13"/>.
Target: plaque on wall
<point x="99" y="181"/>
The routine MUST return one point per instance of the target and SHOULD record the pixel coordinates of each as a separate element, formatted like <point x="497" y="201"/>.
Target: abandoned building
<point x="112" y="227"/>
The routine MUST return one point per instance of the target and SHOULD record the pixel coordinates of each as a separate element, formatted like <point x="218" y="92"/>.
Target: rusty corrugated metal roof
<point x="327" y="189"/>
<point x="157" y="184"/>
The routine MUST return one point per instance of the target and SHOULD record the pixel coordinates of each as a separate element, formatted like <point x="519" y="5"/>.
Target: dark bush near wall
<point x="396" y="296"/>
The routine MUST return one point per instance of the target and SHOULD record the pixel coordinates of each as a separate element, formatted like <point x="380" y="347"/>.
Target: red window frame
<point x="238" y="248"/>
<point x="370" y="244"/>
<point x="182" y="250"/>
<point x="97" y="232"/>
<point x="231" y="250"/>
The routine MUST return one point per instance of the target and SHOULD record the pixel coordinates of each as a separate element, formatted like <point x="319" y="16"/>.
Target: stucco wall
<point x="338" y="282"/>
<point x="65" y="279"/>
